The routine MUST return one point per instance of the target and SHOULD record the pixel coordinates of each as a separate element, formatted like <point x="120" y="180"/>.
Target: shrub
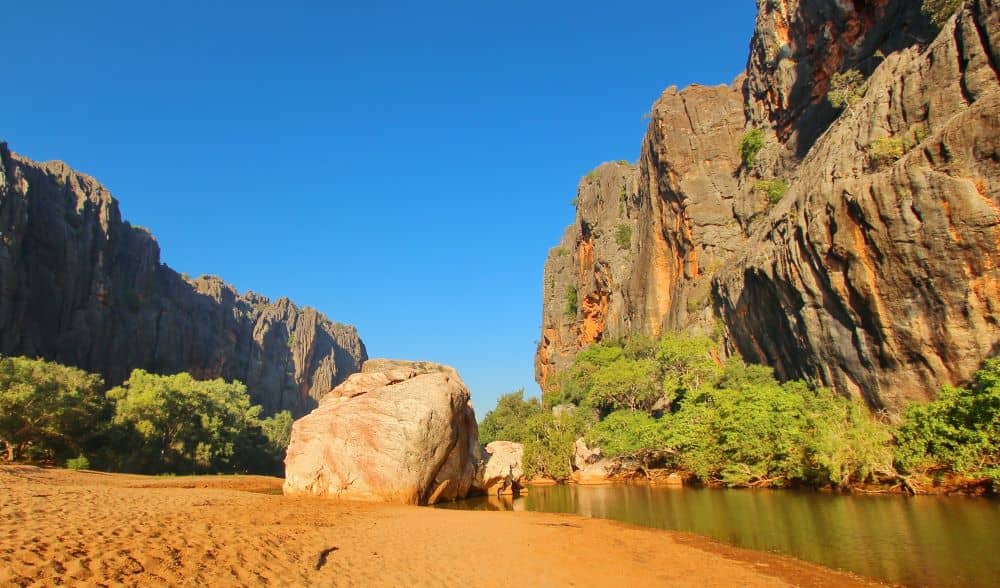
<point x="774" y="190"/>
<point x="624" y="236"/>
<point x="750" y="145"/>
<point x="78" y="463"/>
<point x="47" y="411"/>
<point x="845" y="88"/>
<point x="627" y="432"/>
<point x="182" y="425"/>
<point x="885" y="150"/>
<point x="548" y="443"/>
<point x="959" y="432"/>
<point x="572" y="304"/>
<point x="939" y="11"/>
<point x="626" y="384"/>
<point x="507" y="421"/>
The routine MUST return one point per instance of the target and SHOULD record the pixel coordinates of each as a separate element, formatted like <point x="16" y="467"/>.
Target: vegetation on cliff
<point x="731" y="423"/>
<point x="51" y="413"/>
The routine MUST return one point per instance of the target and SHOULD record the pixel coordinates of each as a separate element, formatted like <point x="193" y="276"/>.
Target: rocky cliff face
<point x="80" y="286"/>
<point x="874" y="274"/>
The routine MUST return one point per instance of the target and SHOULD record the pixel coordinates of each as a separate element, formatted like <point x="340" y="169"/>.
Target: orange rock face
<point x="878" y="278"/>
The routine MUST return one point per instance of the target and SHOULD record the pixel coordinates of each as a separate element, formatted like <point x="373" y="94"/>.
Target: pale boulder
<point x="502" y="471"/>
<point x="398" y="431"/>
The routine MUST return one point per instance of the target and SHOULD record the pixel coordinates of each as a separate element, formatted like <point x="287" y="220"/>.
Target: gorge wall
<point x="879" y="276"/>
<point x="80" y="286"/>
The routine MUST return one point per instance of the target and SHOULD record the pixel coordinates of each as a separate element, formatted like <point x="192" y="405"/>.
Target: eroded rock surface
<point x="401" y="432"/>
<point x="877" y="277"/>
<point x="80" y="286"/>
<point x="502" y="470"/>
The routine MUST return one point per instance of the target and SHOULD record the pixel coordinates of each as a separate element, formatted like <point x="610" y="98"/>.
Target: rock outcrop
<point x="80" y="286"/>
<point x="877" y="274"/>
<point x="401" y="432"/>
<point x="502" y="469"/>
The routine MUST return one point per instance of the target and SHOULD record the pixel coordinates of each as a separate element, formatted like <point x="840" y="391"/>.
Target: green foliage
<point x="48" y="412"/>
<point x="885" y="150"/>
<point x="508" y="420"/>
<point x="291" y="341"/>
<point x="592" y="176"/>
<point x="774" y="190"/>
<point x="78" y="463"/>
<point x="687" y="364"/>
<point x="548" y="443"/>
<point x="561" y="251"/>
<point x="623" y="235"/>
<point x="844" y="445"/>
<point x="572" y="304"/>
<point x="939" y="11"/>
<point x="727" y="422"/>
<point x="845" y="88"/>
<point x="746" y="430"/>
<point x="626" y="383"/>
<point x="627" y="432"/>
<point x="750" y="145"/>
<point x="182" y="425"/>
<point x="277" y="429"/>
<point x="959" y="432"/>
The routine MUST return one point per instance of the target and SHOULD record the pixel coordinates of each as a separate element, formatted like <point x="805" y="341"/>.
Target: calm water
<point x="914" y="541"/>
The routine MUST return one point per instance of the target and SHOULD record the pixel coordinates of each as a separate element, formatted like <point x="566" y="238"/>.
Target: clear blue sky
<point x="403" y="167"/>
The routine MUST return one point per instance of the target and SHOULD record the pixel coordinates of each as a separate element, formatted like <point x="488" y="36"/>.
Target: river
<point x="913" y="541"/>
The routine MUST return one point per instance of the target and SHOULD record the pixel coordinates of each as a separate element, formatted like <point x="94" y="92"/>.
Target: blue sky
<point x="403" y="167"/>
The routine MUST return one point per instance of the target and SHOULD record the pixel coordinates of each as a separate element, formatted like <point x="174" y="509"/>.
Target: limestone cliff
<point x="81" y="286"/>
<point x="876" y="274"/>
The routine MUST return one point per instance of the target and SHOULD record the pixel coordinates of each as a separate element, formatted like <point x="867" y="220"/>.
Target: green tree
<point x="507" y="422"/>
<point x="626" y="432"/>
<point x="959" y="432"/>
<point x="47" y="411"/>
<point x="687" y="364"/>
<point x="277" y="431"/>
<point x="575" y="383"/>
<point x="632" y="384"/>
<point x="548" y="443"/>
<point x="184" y="425"/>
<point x="844" y="445"/>
<point x="747" y="433"/>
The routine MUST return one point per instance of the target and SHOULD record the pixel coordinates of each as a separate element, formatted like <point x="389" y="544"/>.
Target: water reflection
<point x="922" y="541"/>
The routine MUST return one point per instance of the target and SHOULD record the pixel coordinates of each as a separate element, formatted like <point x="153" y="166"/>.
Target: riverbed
<point x="942" y="541"/>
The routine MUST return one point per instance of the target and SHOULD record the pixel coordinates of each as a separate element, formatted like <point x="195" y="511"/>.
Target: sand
<point x="59" y="527"/>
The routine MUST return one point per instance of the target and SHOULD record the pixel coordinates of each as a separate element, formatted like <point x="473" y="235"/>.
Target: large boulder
<point x="398" y="431"/>
<point x="502" y="471"/>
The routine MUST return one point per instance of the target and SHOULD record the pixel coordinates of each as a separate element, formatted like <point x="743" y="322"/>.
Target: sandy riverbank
<point x="87" y="528"/>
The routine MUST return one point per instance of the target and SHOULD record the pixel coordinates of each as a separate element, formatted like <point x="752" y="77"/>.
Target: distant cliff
<point x="80" y="286"/>
<point x="860" y="247"/>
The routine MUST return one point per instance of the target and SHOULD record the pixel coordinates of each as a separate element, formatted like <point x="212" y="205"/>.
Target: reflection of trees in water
<point x="924" y="540"/>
